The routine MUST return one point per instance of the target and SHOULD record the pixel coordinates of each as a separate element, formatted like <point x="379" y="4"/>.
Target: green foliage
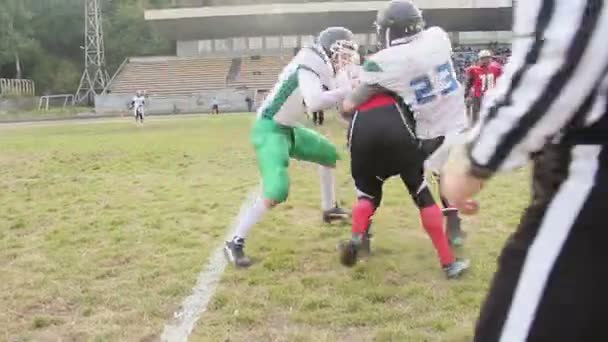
<point x="55" y="75"/>
<point x="131" y="34"/>
<point x="15" y="31"/>
<point x="45" y="39"/>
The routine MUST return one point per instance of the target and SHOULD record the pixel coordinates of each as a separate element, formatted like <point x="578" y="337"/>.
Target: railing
<point x="235" y="69"/>
<point x="118" y="71"/>
<point x="17" y="87"/>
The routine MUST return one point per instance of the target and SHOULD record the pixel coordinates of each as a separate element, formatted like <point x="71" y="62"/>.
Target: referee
<point x="551" y="106"/>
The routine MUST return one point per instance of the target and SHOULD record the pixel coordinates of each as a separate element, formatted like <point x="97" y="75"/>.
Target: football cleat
<point x="234" y="251"/>
<point x="349" y="251"/>
<point x="335" y="214"/>
<point x="356" y="248"/>
<point x="456" y="269"/>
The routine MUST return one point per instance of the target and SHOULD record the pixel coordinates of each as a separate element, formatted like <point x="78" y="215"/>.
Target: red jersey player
<point x="480" y="78"/>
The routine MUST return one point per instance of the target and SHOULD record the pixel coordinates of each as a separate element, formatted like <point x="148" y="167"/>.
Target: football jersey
<point x="349" y="76"/>
<point x="484" y="78"/>
<point x="138" y="102"/>
<point x="422" y="74"/>
<point x="285" y="103"/>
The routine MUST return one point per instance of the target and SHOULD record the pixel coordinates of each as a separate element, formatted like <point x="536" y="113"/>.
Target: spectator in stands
<point x="215" y="106"/>
<point x="249" y="102"/>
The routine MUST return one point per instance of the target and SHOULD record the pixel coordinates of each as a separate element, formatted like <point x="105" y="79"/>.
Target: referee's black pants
<point x="550" y="285"/>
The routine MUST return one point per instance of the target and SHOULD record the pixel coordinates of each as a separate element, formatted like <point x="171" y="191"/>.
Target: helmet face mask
<point x="343" y="53"/>
<point x="337" y="43"/>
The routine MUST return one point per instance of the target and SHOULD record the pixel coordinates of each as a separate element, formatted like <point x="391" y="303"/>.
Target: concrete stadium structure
<point x="226" y="28"/>
<point x="243" y="44"/>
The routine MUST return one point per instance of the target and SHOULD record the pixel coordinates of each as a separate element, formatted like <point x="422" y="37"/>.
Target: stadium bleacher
<point x="259" y="72"/>
<point x="195" y="75"/>
<point x="172" y="75"/>
<point x="185" y="76"/>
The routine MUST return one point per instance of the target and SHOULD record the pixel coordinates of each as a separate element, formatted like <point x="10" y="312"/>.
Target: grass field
<point x="105" y="226"/>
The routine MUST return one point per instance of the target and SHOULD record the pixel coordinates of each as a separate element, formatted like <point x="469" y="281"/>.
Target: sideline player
<point x="480" y="78"/>
<point x="416" y="65"/>
<point x="277" y="137"/>
<point x="138" y="105"/>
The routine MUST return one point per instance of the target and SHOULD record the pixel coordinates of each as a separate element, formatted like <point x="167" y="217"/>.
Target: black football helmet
<point x="338" y="45"/>
<point x="399" y="20"/>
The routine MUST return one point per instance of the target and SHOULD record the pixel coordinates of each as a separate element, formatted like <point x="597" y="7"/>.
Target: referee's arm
<point x="552" y="79"/>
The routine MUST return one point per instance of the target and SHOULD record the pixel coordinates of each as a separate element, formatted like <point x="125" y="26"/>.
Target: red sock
<point x="363" y="211"/>
<point x="432" y="220"/>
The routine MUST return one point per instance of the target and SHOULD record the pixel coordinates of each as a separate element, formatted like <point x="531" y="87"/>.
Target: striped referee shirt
<point x="555" y="84"/>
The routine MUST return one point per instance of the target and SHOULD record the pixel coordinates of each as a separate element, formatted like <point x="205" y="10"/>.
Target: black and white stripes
<point x="557" y="225"/>
<point x="553" y="77"/>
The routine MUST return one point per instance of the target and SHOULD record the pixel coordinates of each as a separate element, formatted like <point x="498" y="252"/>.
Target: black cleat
<point x="349" y="251"/>
<point x="454" y="231"/>
<point x="358" y="247"/>
<point x="235" y="253"/>
<point x="335" y="214"/>
<point x="456" y="269"/>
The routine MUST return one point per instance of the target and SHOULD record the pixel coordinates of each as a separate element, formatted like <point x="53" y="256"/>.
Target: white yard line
<point x="184" y="319"/>
<point x="193" y="306"/>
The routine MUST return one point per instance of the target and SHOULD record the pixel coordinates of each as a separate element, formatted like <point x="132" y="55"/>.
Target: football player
<point x="138" y="103"/>
<point x="415" y="66"/>
<point x="480" y="78"/>
<point x="277" y="137"/>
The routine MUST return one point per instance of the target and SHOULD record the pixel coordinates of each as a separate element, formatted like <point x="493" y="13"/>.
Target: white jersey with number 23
<point x="422" y="74"/>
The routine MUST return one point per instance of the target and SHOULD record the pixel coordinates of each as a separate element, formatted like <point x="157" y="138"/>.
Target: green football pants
<point x="275" y="145"/>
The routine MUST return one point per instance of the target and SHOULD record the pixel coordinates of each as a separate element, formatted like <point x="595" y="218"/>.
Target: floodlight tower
<point x="95" y="75"/>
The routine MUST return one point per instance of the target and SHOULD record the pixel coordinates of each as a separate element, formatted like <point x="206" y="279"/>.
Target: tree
<point x="15" y="32"/>
<point x="42" y="39"/>
<point x="128" y="34"/>
<point x="57" y="25"/>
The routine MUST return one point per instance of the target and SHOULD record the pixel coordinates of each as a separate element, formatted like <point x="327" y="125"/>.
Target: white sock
<point x="248" y="217"/>
<point x="328" y="187"/>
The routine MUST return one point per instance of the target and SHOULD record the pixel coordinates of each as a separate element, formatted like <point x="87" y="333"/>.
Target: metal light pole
<point x="95" y="75"/>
